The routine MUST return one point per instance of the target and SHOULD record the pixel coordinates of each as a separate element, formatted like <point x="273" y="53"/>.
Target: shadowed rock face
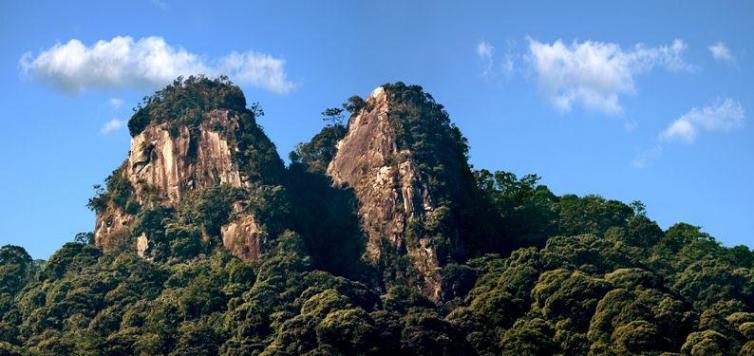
<point x="394" y="195"/>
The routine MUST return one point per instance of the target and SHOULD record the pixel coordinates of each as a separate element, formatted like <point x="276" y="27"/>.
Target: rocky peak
<point x="200" y="168"/>
<point x="163" y="169"/>
<point x="195" y="134"/>
<point x="407" y="166"/>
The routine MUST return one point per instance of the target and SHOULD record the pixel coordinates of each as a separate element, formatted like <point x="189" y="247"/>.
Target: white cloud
<point x="647" y="156"/>
<point x="148" y="62"/>
<point x="723" y="115"/>
<point x="508" y="65"/>
<point x="595" y="74"/>
<point x="721" y="53"/>
<point x="257" y="69"/>
<point x="490" y="69"/>
<point x="112" y="126"/>
<point x="485" y="51"/>
<point x="115" y="103"/>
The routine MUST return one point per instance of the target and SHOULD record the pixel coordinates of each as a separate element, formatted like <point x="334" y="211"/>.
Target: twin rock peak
<point x="399" y="157"/>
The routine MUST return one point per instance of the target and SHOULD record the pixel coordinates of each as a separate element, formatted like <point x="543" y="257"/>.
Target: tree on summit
<point x="333" y="116"/>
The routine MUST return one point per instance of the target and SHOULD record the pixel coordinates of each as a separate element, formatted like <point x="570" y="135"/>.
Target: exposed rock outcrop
<point x="111" y="227"/>
<point x="402" y="213"/>
<point x="161" y="167"/>
<point x="200" y="148"/>
<point x="201" y="173"/>
<point x="243" y="237"/>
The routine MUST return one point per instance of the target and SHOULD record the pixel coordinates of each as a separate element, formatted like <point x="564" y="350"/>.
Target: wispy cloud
<point x="490" y="69"/>
<point x="112" y="126"/>
<point x="508" y="65"/>
<point x="124" y="62"/>
<point x="723" y="115"/>
<point x="115" y="103"/>
<point x="721" y="53"/>
<point x="596" y="74"/>
<point x="485" y="51"/>
<point x="647" y="156"/>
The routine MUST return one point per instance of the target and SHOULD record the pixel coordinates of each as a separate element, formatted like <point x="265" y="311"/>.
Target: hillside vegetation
<point x="561" y="275"/>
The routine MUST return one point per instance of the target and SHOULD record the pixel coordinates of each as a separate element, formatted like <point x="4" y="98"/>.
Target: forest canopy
<point x="598" y="278"/>
<point x="563" y="275"/>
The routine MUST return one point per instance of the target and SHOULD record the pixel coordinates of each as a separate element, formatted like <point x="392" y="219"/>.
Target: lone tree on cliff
<point x="333" y="116"/>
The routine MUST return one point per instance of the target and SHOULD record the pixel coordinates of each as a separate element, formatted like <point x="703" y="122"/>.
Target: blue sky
<point x="645" y="100"/>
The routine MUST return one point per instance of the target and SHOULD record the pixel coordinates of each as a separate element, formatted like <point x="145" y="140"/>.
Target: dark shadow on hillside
<point x="326" y="217"/>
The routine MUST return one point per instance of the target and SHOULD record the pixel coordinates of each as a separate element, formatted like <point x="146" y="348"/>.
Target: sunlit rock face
<point x="404" y="161"/>
<point x="163" y="168"/>
<point x="111" y="227"/>
<point x="171" y="166"/>
<point x="243" y="237"/>
<point x="203" y="138"/>
<point x="394" y="194"/>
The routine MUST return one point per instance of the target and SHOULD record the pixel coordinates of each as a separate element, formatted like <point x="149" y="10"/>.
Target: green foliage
<point x="185" y="241"/>
<point x="457" y="281"/>
<point x="324" y="216"/>
<point x="576" y="275"/>
<point x="629" y="292"/>
<point x="183" y="101"/>
<point x="187" y="103"/>
<point x="711" y="280"/>
<point x="210" y="208"/>
<point x="16" y="269"/>
<point x="590" y="214"/>
<point x="529" y="337"/>
<point x="630" y="288"/>
<point x="354" y="104"/>
<point x="257" y="156"/>
<point x="271" y="207"/>
<point x="527" y="209"/>
<point x="152" y="223"/>
<point x="530" y="214"/>
<point x="327" y="221"/>
<point x="72" y="258"/>
<point x="463" y="222"/>
<point x="118" y="190"/>
<point x="318" y="153"/>
<point x="708" y="342"/>
<point x="333" y="116"/>
<point x="423" y="126"/>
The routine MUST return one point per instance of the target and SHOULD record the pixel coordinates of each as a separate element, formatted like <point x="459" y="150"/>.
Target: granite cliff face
<point x="111" y="227"/>
<point x="173" y="158"/>
<point x="200" y="168"/>
<point x="407" y="202"/>
<point x="162" y="165"/>
<point x="343" y="251"/>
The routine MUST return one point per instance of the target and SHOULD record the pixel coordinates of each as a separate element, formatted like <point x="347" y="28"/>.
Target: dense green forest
<point x="570" y="275"/>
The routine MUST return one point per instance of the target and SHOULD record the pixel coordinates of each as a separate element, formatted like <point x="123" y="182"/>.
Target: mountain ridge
<point x="378" y="238"/>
